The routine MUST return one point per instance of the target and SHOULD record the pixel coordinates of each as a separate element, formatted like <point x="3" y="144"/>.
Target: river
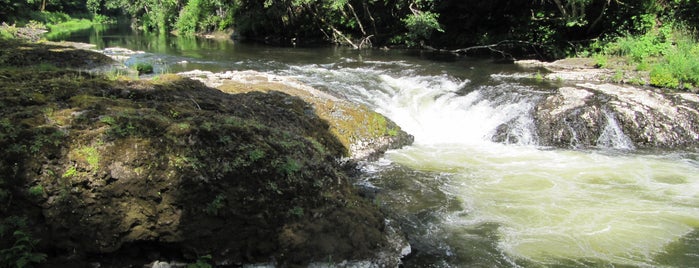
<point x="467" y="194"/>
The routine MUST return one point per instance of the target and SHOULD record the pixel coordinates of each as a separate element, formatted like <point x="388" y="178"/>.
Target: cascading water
<point x="612" y="136"/>
<point x="533" y="206"/>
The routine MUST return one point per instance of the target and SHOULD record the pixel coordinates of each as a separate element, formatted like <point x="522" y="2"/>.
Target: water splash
<point x="612" y="136"/>
<point x="433" y="108"/>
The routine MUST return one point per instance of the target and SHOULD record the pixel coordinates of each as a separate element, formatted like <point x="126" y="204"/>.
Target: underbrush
<point x="669" y="53"/>
<point x="58" y="24"/>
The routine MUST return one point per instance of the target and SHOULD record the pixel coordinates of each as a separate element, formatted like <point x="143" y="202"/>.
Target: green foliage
<point x="640" y="48"/>
<point x="670" y="53"/>
<point x="108" y="120"/>
<point x="296" y="211"/>
<point x="8" y="32"/>
<point x="189" y="17"/>
<point x="601" y="60"/>
<point x="421" y="26"/>
<point x="618" y="76"/>
<point x="289" y="167"/>
<point x="36" y="190"/>
<point x="45" y="137"/>
<point x="202" y="262"/>
<point x="70" y="173"/>
<point x="91" y="155"/>
<point x="214" y="208"/>
<point x="21" y="251"/>
<point x="680" y="67"/>
<point x="50" y="18"/>
<point x="256" y="154"/>
<point x="661" y="76"/>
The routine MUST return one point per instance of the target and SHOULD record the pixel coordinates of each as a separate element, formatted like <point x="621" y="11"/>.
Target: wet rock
<point x="623" y="117"/>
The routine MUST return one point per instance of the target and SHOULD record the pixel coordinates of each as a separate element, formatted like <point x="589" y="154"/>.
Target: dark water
<point x="462" y="199"/>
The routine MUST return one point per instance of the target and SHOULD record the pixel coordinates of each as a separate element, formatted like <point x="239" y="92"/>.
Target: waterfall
<point x="612" y="136"/>
<point x="435" y="109"/>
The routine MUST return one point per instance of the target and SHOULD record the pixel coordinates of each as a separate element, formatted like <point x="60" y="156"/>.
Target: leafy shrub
<point x="21" y="245"/>
<point x="50" y="17"/>
<point x="189" y="16"/>
<point x="679" y="67"/>
<point x="661" y="76"/>
<point x="683" y="61"/>
<point x="639" y="48"/>
<point x="421" y="25"/>
<point x="601" y="60"/>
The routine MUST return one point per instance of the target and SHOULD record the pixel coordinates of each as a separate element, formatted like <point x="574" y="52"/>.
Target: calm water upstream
<point x="462" y="199"/>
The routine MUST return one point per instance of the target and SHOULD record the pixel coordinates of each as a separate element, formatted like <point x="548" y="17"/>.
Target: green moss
<point x="36" y="190"/>
<point x="108" y="120"/>
<point x="256" y="154"/>
<point x="91" y="155"/>
<point x="70" y="173"/>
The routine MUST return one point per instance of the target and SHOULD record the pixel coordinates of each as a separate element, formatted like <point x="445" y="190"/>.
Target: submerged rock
<point x="623" y="117"/>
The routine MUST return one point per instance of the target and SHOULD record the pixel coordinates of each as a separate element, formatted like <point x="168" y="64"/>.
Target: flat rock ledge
<point x="364" y="133"/>
<point x="584" y="70"/>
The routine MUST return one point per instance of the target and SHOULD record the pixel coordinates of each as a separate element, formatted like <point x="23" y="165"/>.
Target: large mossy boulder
<point x="170" y="168"/>
<point x="363" y="133"/>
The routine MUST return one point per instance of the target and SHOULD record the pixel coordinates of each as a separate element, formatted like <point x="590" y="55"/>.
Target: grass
<point x="59" y="25"/>
<point x="670" y="54"/>
<point x="63" y="29"/>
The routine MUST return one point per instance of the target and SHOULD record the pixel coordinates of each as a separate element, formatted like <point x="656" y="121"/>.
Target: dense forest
<point x="562" y="24"/>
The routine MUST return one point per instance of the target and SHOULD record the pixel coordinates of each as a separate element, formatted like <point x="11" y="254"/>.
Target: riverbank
<point x="116" y="171"/>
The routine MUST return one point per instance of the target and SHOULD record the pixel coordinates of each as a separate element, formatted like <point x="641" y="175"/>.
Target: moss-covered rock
<point x="172" y="168"/>
<point x="363" y="133"/>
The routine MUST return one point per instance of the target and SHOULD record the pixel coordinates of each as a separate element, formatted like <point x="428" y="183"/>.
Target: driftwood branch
<point x="347" y="40"/>
<point x="495" y="48"/>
